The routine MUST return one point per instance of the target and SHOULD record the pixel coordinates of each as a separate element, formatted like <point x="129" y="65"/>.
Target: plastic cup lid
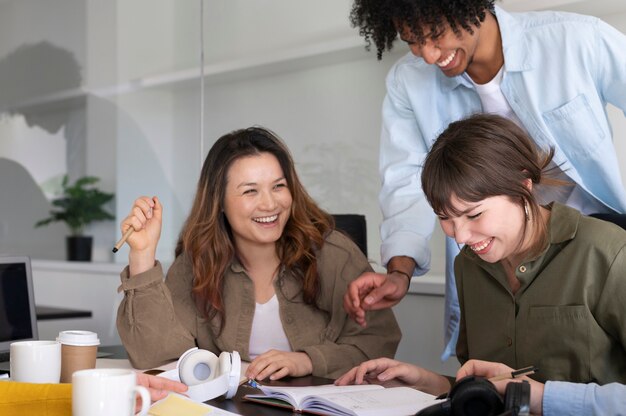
<point x="78" y="338"/>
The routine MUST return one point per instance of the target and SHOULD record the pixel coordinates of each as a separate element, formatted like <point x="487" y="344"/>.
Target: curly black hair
<point x="427" y="19"/>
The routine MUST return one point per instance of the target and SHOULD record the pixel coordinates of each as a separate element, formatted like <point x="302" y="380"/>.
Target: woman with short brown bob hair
<point x="539" y="285"/>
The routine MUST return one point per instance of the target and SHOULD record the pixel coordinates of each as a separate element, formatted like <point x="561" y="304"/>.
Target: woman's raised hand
<point x="145" y="218"/>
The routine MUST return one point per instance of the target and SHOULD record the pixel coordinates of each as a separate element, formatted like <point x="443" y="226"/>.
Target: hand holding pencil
<point x="501" y="375"/>
<point x="122" y="240"/>
<point x="507" y="375"/>
<point x="141" y="230"/>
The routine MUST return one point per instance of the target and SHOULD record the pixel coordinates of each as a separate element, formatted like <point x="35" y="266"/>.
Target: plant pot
<point x="79" y="248"/>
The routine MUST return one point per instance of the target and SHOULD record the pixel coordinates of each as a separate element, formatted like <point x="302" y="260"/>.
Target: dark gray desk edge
<point x="46" y="313"/>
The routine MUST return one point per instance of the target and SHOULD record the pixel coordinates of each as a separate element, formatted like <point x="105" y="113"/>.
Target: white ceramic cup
<point x="106" y="392"/>
<point x="36" y="361"/>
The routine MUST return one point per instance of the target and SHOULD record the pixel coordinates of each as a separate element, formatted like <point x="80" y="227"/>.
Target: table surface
<point x="245" y="408"/>
<point x="237" y="404"/>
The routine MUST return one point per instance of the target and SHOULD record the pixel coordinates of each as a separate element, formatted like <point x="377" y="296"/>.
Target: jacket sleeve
<point x="462" y="353"/>
<point x="347" y="344"/>
<point x="608" y="49"/>
<point x="609" y="311"/>
<point x="408" y="220"/>
<point x="148" y="319"/>
<point x="572" y="399"/>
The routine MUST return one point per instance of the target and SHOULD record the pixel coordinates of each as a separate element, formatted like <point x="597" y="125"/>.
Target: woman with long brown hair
<point x="259" y="269"/>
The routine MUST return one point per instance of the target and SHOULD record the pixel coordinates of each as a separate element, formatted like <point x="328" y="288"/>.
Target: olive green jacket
<point x="158" y="320"/>
<point x="569" y="316"/>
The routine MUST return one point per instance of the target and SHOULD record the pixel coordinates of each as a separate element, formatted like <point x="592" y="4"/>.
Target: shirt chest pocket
<point x="575" y="127"/>
<point x="557" y="342"/>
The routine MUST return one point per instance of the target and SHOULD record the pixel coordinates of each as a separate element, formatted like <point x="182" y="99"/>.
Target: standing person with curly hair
<point x="551" y="73"/>
<point x="259" y="269"/>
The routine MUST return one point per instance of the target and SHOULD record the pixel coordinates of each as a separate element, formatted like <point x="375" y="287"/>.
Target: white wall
<point x="327" y="110"/>
<point x="323" y="99"/>
<point x="81" y="286"/>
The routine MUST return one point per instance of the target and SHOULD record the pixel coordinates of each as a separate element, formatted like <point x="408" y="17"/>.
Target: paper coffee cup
<point x="78" y="352"/>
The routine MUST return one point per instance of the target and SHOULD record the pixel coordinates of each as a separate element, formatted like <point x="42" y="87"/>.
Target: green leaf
<point x="80" y="204"/>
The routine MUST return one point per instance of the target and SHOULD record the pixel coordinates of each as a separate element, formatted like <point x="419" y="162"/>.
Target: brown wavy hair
<point x="483" y="156"/>
<point x="206" y="237"/>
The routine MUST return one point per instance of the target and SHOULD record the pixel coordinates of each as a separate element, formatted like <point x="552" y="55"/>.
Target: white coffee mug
<point x="106" y="392"/>
<point x="36" y="361"/>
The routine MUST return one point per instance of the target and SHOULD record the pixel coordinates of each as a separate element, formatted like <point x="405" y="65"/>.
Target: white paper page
<point x="299" y="393"/>
<point x="176" y="405"/>
<point x="395" y="401"/>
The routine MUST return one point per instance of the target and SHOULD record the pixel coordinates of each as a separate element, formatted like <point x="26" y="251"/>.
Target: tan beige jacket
<point x="158" y="320"/>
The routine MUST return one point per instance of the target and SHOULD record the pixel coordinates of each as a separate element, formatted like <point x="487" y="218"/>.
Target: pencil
<point x="122" y="240"/>
<point x="515" y="373"/>
<point x="249" y="382"/>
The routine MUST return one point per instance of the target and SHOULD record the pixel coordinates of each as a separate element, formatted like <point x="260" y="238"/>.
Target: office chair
<point x="355" y="227"/>
<point x="618" y="219"/>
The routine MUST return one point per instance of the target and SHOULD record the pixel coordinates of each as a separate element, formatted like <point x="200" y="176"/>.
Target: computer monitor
<point x="18" y="318"/>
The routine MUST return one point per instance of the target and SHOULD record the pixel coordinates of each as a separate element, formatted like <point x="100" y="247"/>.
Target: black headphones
<point x="477" y="396"/>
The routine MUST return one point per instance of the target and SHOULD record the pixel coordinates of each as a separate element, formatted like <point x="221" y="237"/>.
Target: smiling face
<point x="452" y="53"/>
<point x="257" y="201"/>
<point x="493" y="228"/>
<point x="476" y="50"/>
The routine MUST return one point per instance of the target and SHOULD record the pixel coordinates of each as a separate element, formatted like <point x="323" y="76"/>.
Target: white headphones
<point x="207" y="375"/>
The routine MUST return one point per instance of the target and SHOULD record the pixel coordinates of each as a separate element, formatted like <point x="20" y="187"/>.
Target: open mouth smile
<point x="446" y="62"/>
<point x="265" y="220"/>
<point x="480" y="246"/>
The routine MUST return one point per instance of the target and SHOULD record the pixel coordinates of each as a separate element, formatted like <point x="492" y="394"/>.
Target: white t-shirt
<point x="494" y="102"/>
<point x="267" y="330"/>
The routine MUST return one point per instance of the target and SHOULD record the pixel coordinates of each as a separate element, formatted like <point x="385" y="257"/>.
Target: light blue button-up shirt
<point x="575" y="399"/>
<point x="560" y="71"/>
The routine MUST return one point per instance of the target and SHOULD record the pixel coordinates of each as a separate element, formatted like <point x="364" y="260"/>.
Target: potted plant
<point x="79" y="205"/>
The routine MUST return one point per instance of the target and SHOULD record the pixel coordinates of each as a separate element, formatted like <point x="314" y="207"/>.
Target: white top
<point x="494" y="102"/>
<point x="492" y="98"/>
<point x="267" y="330"/>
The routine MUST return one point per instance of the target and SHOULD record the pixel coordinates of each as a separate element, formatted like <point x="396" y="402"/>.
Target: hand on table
<point x="159" y="387"/>
<point x="385" y="369"/>
<point x="379" y="370"/>
<point x="278" y="364"/>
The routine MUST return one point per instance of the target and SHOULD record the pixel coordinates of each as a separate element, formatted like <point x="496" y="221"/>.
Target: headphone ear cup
<point x="517" y="398"/>
<point x="231" y="367"/>
<point x="473" y="396"/>
<point x="197" y="366"/>
<point x="439" y="409"/>
<point x="224" y="363"/>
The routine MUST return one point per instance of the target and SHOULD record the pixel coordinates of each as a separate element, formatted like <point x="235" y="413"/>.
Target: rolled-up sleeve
<point x="148" y="321"/>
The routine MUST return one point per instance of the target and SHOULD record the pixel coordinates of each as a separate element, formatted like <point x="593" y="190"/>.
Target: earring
<point x="526" y="210"/>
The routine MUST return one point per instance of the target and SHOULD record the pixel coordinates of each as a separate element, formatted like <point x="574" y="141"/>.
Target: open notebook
<point x="363" y="400"/>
